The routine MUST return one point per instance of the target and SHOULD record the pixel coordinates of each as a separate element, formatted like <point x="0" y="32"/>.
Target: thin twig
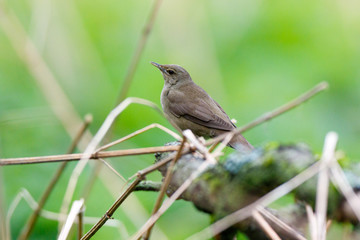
<point x="139" y="50"/>
<point x="160" y="163"/>
<point x="222" y="144"/>
<point x="112" y="169"/>
<point x="136" y="133"/>
<point x="78" y="156"/>
<point x="34" y="216"/>
<point x="80" y="223"/>
<point x="111" y="210"/>
<point x="323" y="184"/>
<point x="267" y="116"/>
<point x="199" y="146"/>
<point x="265" y="226"/>
<point x="164" y="186"/>
<point x="279" y="223"/>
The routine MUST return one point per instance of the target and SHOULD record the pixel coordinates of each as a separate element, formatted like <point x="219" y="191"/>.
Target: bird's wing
<point x="225" y="114"/>
<point x="198" y="110"/>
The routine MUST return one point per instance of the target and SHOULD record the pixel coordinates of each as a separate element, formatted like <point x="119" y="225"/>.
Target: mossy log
<point x="243" y="178"/>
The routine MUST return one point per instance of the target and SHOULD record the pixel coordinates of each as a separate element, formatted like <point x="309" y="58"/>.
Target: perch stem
<point x="78" y="156"/>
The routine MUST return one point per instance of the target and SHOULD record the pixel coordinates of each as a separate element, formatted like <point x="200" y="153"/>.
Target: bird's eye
<point x="171" y="72"/>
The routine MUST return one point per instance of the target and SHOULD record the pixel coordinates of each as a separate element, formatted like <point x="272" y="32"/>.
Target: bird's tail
<point x="239" y="143"/>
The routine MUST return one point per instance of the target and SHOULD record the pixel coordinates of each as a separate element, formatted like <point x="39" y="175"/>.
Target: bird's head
<point x="173" y="74"/>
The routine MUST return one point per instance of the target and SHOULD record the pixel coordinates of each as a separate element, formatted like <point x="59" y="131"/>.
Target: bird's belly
<point x="199" y="130"/>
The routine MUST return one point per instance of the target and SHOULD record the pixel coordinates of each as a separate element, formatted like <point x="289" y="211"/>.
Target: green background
<point x="250" y="56"/>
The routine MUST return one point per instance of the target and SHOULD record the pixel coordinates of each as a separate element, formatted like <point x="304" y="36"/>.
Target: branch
<point x="148" y="186"/>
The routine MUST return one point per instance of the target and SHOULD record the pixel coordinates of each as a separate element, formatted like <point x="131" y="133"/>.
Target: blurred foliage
<point x="251" y="56"/>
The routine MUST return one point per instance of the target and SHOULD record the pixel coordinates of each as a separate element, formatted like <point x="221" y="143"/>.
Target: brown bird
<point x="188" y="106"/>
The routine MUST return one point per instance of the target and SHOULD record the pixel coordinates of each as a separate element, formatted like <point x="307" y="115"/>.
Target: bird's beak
<point x="159" y="66"/>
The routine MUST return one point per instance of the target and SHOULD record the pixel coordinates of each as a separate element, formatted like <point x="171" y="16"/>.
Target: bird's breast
<point x="163" y="99"/>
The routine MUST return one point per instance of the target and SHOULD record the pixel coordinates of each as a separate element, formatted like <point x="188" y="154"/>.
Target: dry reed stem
<point x="312" y="222"/>
<point x="278" y="111"/>
<point x="199" y="146"/>
<point x="159" y="163"/>
<point x="138" y="132"/>
<point x="74" y="211"/>
<point x="108" y="165"/>
<point x="278" y="222"/>
<point x="78" y="156"/>
<point x="24" y="194"/>
<point x="328" y="224"/>
<point x="265" y="226"/>
<point x="33" y="218"/>
<point x="267" y="199"/>
<point x="164" y="186"/>
<point x="139" y="50"/>
<point x="222" y="144"/>
<point x="339" y="179"/>
<point x="323" y="184"/>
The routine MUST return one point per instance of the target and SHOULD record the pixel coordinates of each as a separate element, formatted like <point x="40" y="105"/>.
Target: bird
<point x="188" y="106"/>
